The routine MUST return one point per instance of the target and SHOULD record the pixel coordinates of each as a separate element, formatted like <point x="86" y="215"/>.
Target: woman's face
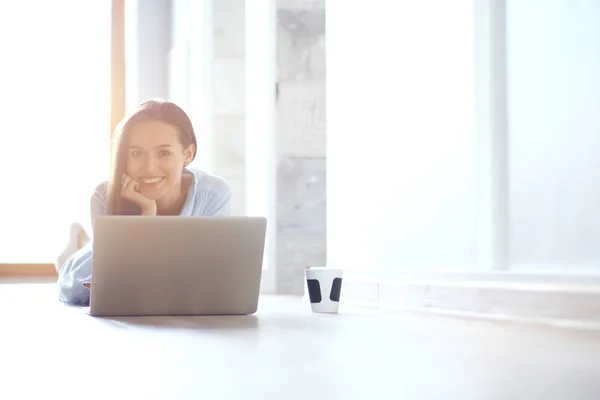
<point x="156" y="158"/>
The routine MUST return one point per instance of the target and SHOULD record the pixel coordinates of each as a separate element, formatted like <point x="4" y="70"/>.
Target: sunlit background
<point x="431" y="136"/>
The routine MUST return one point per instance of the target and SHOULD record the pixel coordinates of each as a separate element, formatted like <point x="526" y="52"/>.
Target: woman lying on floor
<point x="151" y="177"/>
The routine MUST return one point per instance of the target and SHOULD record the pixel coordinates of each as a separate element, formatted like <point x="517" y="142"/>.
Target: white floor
<point x="282" y="352"/>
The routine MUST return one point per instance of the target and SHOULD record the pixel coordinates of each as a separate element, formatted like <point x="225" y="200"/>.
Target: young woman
<point x="150" y="176"/>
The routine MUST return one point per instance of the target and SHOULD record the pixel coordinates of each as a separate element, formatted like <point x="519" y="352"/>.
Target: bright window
<point x="55" y="81"/>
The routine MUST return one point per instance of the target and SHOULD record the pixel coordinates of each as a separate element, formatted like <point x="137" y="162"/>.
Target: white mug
<point x="324" y="288"/>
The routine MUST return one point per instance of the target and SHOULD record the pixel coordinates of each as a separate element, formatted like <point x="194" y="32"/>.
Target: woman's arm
<point x="78" y="267"/>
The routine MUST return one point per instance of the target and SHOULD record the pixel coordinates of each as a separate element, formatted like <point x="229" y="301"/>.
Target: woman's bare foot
<point x="82" y="238"/>
<point x="77" y="239"/>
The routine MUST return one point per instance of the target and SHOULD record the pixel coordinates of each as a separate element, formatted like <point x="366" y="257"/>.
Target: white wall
<point x="147" y="43"/>
<point x="553" y="52"/>
<point x="400" y="136"/>
<point x="191" y="73"/>
<point x="261" y="190"/>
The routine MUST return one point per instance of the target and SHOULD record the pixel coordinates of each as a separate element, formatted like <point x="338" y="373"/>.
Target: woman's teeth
<point x="152" y="180"/>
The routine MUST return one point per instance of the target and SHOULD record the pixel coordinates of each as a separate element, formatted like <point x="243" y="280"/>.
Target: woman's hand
<point x="131" y="191"/>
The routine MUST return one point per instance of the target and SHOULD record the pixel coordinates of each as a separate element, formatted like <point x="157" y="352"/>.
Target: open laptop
<point x="176" y="265"/>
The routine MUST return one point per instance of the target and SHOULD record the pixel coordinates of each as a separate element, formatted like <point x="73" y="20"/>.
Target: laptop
<point x="173" y="265"/>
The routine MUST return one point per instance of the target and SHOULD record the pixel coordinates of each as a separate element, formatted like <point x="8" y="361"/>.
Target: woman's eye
<point x="136" y="153"/>
<point x="164" y="153"/>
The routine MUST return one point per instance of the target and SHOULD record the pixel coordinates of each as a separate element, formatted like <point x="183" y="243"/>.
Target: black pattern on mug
<point x="336" y="289"/>
<point x="314" y="290"/>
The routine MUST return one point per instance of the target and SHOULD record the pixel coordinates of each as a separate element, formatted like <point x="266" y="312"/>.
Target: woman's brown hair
<point x="151" y="110"/>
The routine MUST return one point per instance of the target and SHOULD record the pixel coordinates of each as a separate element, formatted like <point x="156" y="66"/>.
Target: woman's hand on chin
<point x="131" y="191"/>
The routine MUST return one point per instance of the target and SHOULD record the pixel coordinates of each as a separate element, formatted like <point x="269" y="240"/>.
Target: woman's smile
<point x="152" y="181"/>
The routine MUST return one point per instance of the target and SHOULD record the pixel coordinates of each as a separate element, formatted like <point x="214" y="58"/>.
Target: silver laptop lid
<point x="176" y="265"/>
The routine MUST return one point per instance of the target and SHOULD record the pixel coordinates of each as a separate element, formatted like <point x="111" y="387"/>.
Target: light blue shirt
<point x="208" y="195"/>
